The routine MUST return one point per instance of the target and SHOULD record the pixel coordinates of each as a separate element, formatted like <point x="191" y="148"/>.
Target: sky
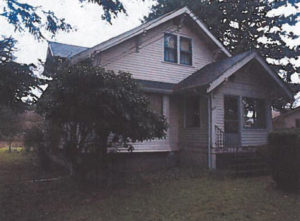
<point x="90" y="29"/>
<point x="84" y="17"/>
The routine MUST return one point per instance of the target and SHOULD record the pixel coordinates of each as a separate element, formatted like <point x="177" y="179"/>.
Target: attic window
<point x="170" y="45"/>
<point x="185" y="51"/>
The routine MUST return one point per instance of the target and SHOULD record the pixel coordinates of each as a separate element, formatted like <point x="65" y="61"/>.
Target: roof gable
<point x="144" y="28"/>
<point x="214" y="74"/>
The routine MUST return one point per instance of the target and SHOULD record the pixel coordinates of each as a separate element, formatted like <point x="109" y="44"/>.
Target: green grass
<point x="178" y="194"/>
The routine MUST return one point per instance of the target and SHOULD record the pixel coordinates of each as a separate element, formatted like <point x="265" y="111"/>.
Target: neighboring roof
<point x="210" y="72"/>
<point x="287" y="114"/>
<point x="147" y="26"/>
<point x="155" y="86"/>
<point x="214" y="74"/>
<point x="64" y="50"/>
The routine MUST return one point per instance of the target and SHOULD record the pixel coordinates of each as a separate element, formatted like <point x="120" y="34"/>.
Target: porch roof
<point x="155" y="86"/>
<point x="213" y="74"/>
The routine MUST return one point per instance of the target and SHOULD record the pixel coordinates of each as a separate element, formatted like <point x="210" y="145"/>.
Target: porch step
<point x="246" y="164"/>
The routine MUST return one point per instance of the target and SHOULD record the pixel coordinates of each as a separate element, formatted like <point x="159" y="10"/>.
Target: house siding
<point x="148" y="63"/>
<point x="288" y="121"/>
<point x="245" y="84"/>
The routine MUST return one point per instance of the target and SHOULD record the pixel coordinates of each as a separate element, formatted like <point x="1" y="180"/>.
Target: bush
<point x="34" y="138"/>
<point x="284" y="146"/>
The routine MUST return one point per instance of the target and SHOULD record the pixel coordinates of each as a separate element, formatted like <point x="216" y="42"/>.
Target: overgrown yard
<point x="177" y="194"/>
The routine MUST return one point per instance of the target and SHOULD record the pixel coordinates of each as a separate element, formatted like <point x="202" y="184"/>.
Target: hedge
<point x="284" y="146"/>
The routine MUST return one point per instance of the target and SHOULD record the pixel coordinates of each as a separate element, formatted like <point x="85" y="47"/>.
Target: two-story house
<point x="214" y="102"/>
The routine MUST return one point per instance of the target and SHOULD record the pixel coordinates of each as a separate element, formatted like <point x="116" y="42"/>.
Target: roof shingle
<point x="64" y="50"/>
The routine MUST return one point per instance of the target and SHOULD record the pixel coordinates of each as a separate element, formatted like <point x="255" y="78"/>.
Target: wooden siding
<point x="244" y="84"/>
<point x="287" y="121"/>
<point x="147" y="61"/>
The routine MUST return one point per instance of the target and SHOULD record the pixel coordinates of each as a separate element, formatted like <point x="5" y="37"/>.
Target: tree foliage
<point x="16" y="80"/>
<point x="245" y="24"/>
<point x="90" y="104"/>
<point x="16" y="83"/>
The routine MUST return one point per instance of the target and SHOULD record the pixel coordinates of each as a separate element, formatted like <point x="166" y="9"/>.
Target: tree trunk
<point x="9" y="146"/>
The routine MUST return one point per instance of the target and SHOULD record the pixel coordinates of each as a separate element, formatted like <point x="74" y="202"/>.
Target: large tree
<point x="17" y="82"/>
<point x="90" y="105"/>
<point x="246" y="24"/>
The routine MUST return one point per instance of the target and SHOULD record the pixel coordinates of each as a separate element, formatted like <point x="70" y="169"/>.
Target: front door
<point x="231" y="121"/>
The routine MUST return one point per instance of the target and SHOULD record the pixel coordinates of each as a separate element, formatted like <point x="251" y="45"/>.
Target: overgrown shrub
<point x="34" y="138"/>
<point x="284" y="146"/>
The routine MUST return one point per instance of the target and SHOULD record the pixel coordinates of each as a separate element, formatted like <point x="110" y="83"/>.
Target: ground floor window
<point x="254" y="112"/>
<point x="156" y="102"/>
<point x="192" y="112"/>
<point x="297" y="123"/>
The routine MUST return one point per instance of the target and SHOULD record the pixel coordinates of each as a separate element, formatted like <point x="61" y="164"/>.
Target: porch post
<point x="166" y="113"/>
<point x="211" y="156"/>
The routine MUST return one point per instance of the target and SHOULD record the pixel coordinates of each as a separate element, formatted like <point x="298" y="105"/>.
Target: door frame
<point x="239" y="117"/>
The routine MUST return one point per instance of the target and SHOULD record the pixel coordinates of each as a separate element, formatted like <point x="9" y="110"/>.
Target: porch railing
<point x="219" y="137"/>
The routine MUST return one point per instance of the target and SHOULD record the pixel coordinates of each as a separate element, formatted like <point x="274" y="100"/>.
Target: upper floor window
<point x="254" y="113"/>
<point x="170" y="48"/>
<point x="185" y="51"/>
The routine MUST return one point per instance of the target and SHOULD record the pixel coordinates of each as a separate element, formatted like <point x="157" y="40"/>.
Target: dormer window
<point x="178" y="53"/>
<point x="170" y="48"/>
<point x="185" y="51"/>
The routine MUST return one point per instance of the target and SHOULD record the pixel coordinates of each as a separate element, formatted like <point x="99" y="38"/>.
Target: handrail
<point x="219" y="137"/>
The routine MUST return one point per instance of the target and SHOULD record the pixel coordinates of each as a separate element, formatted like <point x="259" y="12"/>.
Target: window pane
<point x="156" y="103"/>
<point x="171" y="41"/>
<point x="170" y="46"/>
<point x="170" y="55"/>
<point x="185" y="44"/>
<point x="185" y="58"/>
<point x="192" y="113"/>
<point x="185" y="51"/>
<point x="254" y="113"/>
<point x="297" y="123"/>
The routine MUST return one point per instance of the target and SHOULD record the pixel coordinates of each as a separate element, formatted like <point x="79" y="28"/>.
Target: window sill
<point x="182" y="65"/>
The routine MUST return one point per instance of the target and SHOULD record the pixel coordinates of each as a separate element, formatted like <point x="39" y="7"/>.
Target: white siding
<point x="244" y="84"/>
<point x="148" y="63"/>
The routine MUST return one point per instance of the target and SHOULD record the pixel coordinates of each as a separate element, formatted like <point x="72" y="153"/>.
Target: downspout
<point x="209" y="108"/>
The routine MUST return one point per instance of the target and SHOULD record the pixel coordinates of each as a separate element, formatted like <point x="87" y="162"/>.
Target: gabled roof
<point x="147" y="26"/>
<point x="64" y="50"/>
<point x="210" y="72"/>
<point x="214" y="74"/>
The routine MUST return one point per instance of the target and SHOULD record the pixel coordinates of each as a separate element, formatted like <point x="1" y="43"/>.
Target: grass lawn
<point x="179" y="194"/>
